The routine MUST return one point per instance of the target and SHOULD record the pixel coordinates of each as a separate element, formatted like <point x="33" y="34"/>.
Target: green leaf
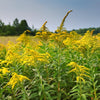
<point x="84" y="97"/>
<point x="75" y="90"/>
<point x="78" y="99"/>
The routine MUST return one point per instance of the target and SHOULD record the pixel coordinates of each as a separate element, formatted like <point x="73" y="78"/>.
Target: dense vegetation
<point x="16" y="29"/>
<point x="82" y="31"/>
<point x="51" y="66"/>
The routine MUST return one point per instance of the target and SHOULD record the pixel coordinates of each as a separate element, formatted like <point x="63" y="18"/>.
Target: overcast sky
<point x="86" y="13"/>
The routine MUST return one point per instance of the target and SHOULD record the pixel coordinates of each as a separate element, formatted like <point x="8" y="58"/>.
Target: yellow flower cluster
<point x="24" y="52"/>
<point x="30" y="57"/>
<point x="3" y="71"/>
<point x="15" y="79"/>
<point x="80" y="71"/>
<point x="24" y="39"/>
<point x="87" y="42"/>
<point x="11" y="58"/>
<point x="73" y="40"/>
<point x="2" y="51"/>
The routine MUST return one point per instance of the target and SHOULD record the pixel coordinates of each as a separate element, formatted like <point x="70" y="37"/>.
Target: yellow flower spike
<point x="5" y="70"/>
<point x="72" y="64"/>
<point x="73" y="70"/>
<point x="21" y="78"/>
<point x="3" y="62"/>
<point x="40" y="43"/>
<point x="77" y="78"/>
<point x="15" y="79"/>
<point x="47" y="55"/>
<point x="43" y="28"/>
<point x="85" y="75"/>
<point x="28" y="31"/>
<point x="38" y="33"/>
<point x="82" y="79"/>
<point x="84" y="67"/>
<point x="62" y="23"/>
<point x="80" y="71"/>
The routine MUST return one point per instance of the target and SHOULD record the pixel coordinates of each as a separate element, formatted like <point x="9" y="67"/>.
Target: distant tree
<point x="82" y="31"/>
<point x="16" y="23"/>
<point x="1" y="23"/>
<point x="16" y="26"/>
<point x="2" y="26"/>
<point x="23" y="26"/>
<point x="33" y="32"/>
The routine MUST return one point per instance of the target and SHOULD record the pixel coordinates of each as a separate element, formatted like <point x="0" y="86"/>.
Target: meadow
<point x="4" y="39"/>
<point x="51" y="66"/>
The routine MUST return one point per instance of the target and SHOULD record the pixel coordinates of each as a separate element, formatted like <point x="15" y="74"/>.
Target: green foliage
<point x="82" y="31"/>
<point x="16" y="28"/>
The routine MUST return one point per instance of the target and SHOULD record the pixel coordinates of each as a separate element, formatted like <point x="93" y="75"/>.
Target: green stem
<point x="47" y="76"/>
<point x="14" y="97"/>
<point x="25" y="96"/>
<point x="41" y="84"/>
<point x="95" y="96"/>
<point x="59" y="75"/>
<point x="59" y="94"/>
<point x="80" y="90"/>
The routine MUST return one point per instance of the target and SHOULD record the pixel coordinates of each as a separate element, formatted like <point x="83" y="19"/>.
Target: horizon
<point x="11" y="23"/>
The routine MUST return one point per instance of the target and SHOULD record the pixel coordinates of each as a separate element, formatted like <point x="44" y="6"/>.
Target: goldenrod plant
<point x="51" y="66"/>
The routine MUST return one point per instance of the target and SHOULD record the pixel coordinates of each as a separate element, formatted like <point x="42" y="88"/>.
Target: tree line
<point x="82" y="31"/>
<point x="16" y="28"/>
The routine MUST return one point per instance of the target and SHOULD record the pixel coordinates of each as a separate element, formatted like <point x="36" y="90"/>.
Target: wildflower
<point x="79" y="70"/>
<point x="15" y="79"/>
<point x="62" y="23"/>
<point x="4" y="70"/>
<point x="24" y="38"/>
<point x="87" y="42"/>
<point x="27" y="31"/>
<point x="72" y="64"/>
<point x="40" y="43"/>
<point x="43" y="28"/>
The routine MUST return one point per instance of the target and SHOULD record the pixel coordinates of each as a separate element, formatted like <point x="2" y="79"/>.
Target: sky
<point x="85" y="13"/>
